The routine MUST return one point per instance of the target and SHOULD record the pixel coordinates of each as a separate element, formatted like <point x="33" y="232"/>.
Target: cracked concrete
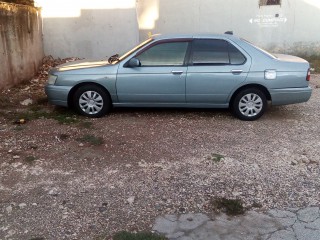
<point x="289" y="224"/>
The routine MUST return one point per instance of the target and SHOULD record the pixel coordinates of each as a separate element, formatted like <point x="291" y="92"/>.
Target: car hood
<point x="89" y="67"/>
<point x="81" y="64"/>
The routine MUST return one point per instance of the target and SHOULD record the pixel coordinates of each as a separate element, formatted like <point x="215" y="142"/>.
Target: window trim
<point x="186" y="57"/>
<point x="190" y="62"/>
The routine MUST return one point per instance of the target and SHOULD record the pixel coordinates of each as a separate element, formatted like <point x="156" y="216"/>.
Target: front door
<point x="161" y="78"/>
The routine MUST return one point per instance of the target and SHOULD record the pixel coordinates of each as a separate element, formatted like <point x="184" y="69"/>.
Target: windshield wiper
<point x="113" y="58"/>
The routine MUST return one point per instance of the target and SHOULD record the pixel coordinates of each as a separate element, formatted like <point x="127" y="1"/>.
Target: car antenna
<point x="229" y="32"/>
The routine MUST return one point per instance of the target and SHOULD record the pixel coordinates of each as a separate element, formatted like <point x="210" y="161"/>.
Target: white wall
<point x="99" y="28"/>
<point x="292" y="27"/>
<point x="88" y="28"/>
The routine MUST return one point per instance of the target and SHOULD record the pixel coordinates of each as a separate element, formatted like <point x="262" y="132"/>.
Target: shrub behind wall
<point x="23" y="2"/>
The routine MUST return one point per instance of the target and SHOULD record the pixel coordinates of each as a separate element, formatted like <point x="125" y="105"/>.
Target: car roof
<point x="195" y="35"/>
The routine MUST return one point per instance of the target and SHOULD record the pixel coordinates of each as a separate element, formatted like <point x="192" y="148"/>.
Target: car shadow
<point x="185" y="112"/>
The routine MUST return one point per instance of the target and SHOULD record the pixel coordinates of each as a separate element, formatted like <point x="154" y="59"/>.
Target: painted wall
<point x="99" y="28"/>
<point x="21" y="49"/>
<point x="292" y="27"/>
<point x="88" y="28"/>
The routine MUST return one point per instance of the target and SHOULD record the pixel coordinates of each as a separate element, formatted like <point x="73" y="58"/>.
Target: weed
<point x="256" y="205"/>
<point x="65" y="118"/>
<point x="19" y="128"/>
<point x="87" y="125"/>
<point x="63" y="136"/>
<point x="231" y="207"/>
<point x="91" y="139"/>
<point x="30" y="159"/>
<point x="36" y="112"/>
<point x="42" y="101"/>
<point x="137" y="236"/>
<point x="314" y="61"/>
<point x="35" y="107"/>
<point x="4" y="102"/>
<point x="215" y="157"/>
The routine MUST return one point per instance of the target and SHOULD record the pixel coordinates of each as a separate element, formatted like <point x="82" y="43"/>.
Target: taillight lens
<point x="308" y="75"/>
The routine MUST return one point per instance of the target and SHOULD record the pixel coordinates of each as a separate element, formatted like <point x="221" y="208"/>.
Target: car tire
<point x="92" y="101"/>
<point x="249" y="104"/>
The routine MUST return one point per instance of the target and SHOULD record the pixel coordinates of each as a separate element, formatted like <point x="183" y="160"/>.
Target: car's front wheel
<point x="92" y="101"/>
<point x="249" y="104"/>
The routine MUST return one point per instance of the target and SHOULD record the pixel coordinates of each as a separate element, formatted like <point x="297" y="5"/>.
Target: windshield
<point x="134" y="49"/>
<point x="260" y="49"/>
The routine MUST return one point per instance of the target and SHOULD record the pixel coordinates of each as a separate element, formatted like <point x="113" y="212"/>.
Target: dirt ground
<point x="64" y="176"/>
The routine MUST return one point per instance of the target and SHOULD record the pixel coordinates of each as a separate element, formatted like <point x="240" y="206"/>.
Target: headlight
<point x="52" y="79"/>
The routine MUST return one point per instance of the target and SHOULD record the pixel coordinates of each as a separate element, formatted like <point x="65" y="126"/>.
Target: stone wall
<point x="21" y="47"/>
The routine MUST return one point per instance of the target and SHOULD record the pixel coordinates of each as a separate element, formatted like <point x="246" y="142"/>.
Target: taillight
<point x="308" y="75"/>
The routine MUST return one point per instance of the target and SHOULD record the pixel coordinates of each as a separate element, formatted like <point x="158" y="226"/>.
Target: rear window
<point x="259" y="49"/>
<point x="215" y="52"/>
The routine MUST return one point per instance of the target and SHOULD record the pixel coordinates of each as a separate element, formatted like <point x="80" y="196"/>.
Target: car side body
<point x="195" y="71"/>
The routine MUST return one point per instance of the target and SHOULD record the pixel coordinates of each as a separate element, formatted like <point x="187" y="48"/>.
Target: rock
<point x="130" y="200"/>
<point x="102" y="209"/>
<point x="22" y="205"/>
<point x="294" y="162"/>
<point x="26" y="102"/>
<point x="164" y="225"/>
<point x="9" y="209"/>
<point x="308" y="214"/>
<point x="283" y="235"/>
<point x="53" y="192"/>
<point x="81" y="144"/>
<point x="34" y="204"/>
<point x="304" y="159"/>
<point x="281" y="213"/>
<point x="192" y="221"/>
<point x="16" y="157"/>
<point x="304" y="233"/>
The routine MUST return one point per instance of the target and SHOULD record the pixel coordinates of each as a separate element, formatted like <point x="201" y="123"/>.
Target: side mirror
<point x="134" y="62"/>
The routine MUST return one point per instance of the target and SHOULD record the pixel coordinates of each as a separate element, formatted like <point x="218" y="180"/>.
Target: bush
<point x="23" y="2"/>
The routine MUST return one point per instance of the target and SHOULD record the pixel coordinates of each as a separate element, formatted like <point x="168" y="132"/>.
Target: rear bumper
<point x="58" y="95"/>
<point x="290" y="95"/>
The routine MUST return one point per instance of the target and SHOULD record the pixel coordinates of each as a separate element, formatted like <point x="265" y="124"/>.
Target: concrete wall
<point x="89" y="28"/>
<point x="21" y="49"/>
<point x="292" y="27"/>
<point x="99" y="28"/>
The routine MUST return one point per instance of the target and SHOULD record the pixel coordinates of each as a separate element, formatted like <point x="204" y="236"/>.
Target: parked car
<point x="194" y="71"/>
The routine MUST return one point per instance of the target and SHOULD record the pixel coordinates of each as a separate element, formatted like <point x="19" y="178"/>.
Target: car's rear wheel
<point x="92" y="101"/>
<point x="249" y="104"/>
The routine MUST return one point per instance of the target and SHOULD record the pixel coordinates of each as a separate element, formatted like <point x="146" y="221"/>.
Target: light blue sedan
<point x="194" y="71"/>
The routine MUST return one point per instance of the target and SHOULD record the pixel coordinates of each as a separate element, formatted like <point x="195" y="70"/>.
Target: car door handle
<point x="236" y="71"/>
<point x="177" y="72"/>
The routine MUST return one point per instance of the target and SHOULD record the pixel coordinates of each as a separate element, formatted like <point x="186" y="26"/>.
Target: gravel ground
<point x="145" y="163"/>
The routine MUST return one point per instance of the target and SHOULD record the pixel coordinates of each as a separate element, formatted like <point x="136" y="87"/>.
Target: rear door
<point x="216" y="68"/>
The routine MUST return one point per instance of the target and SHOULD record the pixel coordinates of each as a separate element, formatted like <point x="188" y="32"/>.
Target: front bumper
<point x="58" y="95"/>
<point x="290" y="95"/>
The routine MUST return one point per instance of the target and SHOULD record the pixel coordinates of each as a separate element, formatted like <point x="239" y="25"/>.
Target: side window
<point x="215" y="52"/>
<point x="210" y="52"/>
<point x="236" y="57"/>
<point x="164" y="54"/>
